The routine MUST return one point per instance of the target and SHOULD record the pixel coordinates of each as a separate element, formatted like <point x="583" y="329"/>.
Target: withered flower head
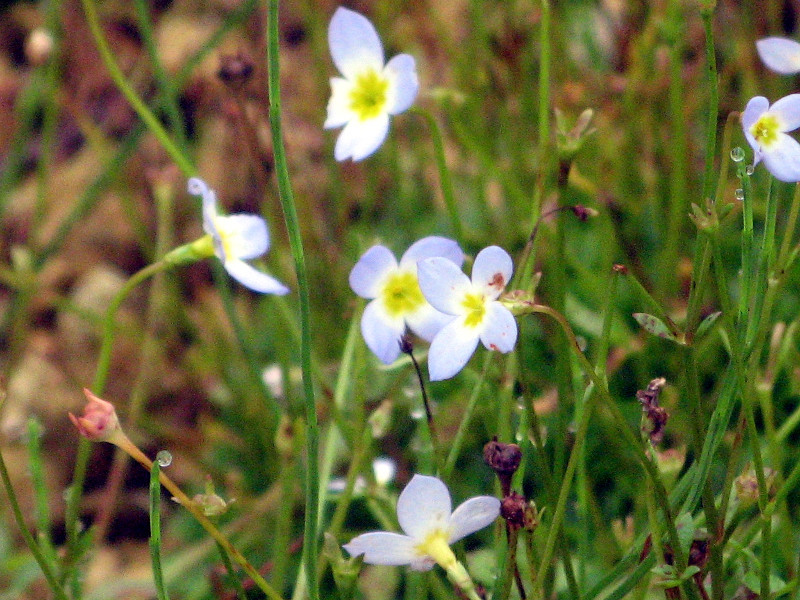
<point x="655" y="416"/>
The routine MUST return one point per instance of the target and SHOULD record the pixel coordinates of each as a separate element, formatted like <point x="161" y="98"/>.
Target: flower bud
<point x="99" y="422"/>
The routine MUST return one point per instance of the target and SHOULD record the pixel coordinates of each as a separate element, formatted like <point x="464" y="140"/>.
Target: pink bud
<point x="99" y="422"/>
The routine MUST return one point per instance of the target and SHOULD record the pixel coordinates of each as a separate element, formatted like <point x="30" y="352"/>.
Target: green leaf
<point x="656" y="326"/>
<point x="707" y="323"/>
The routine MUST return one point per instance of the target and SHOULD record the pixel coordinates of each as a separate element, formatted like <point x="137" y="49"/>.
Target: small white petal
<point x="492" y="271"/>
<point x="443" y="284"/>
<point x="423" y="506"/>
<point x="756" y="107"/>
<point x="787" y="109"/>
<point x="339" y="111"/>
<point x="256" y="280"/>
<point x="404" y="83"/>
<point x="451" y="349"/>
<point x="780" y="55"/>
<point x="431" y="246"/>
<point x="472" y="515"/>
<point x="783" y="159"/>
<point x="370" y="270"/>
<point x="354" y="43"/>
<point x="381" y="332"/>
<point x="245" y="235"/>
<point x="383" y="548"/>
<point x="426" y="322"/>
<point x="500" y="328"/>
<point x="359" y="139"/>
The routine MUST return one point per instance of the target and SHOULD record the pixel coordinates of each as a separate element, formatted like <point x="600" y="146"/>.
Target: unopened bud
<point x="211" y="503"/>
<point x="99" y="422"/>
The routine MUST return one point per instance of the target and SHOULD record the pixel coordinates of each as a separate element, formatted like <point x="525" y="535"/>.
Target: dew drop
<point x="737" y="154"/>
<point x="164" y="458"/>
<point x="750" y="169"/>
<point x="739" y="193"/>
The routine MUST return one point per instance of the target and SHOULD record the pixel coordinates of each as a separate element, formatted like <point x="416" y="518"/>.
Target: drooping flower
<point x="369" y="91"/>
<point x="99" y="422"/>
<point x="780" y="54"/>
<point x="478" y="314"/>
<point x="235" y="239"/>
<point x="765" y="128"/>
<point x="397" y="301"/>
<point x="424" y="514"/>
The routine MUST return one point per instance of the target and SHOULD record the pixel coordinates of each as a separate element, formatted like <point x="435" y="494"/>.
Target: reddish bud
<point x="99" y="422"/>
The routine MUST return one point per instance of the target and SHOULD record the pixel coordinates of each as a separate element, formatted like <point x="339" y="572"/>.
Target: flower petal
<point x="756" y="107"/>
<point x="426" y="322"/>
<point x="245" y="236"/>
<point x="423" y="506"/>
<point x="500" y="328"/>
<point x="359" y="139"/>
<point x="443" y="284"/>
<point x="451" y="349"/>
<point x="339" y="111"/>
<point x="492" y="271"/>
<point x="783" y="159"/>
<point x="198" y="187"/>
<point x="354" y="43"/>
<point x="779" y="54"/>
<point x="787" y="109"/>
<point x="404" y="83"/>
<point x="381" y="332"/>
<point x="256" y="280"/>
<point x="472" y="515"/>
<point x="383" y="548"/>
<point x="431" y="246"/>
<point x="369" y="271"/>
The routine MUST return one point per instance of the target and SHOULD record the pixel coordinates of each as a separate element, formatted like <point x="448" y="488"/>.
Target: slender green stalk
<point x="153" y="124"/>
<point x="788" y="234"/>
<point x="37" y="470"/>
<point x="445" y="181"/>
<point x="310" y="537"/>
<point x="155" y="531"/>
<point x="458" y="440"/>
<point x="709" y="183"/>
<point x="41" y="559"/>
<point x="241" y="594"/>
<point x="544" y="107"/>
<point x="748" y="244"/>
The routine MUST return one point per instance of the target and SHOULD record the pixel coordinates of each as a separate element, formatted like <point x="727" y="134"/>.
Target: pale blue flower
<point x="424" y="511"/>
<point x="780" y="54"/>
<point x="369" y="91"/>
<point x="765" y="128"/>
<point x="397" y="301"/>
<point x="478" y="316"/>
<point x="237" y="238"/>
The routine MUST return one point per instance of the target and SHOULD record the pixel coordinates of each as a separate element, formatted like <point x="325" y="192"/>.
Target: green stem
<point x="310" y="545"/>
<point x="544" y="107"/>
<point x="709" y="187"/>
<point x="155" y="531"/>
<point x="58" y="591"/>
<point x="445" y="181"/>
<point x="153" y="124"/>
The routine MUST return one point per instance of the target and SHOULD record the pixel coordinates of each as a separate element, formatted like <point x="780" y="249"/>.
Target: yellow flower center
<point x="435" y="545"/>
<point x="766" y="130"/>
<point x="368" y="96"/>
<point x="401" y="294"/>
<point x="475" y="306"/>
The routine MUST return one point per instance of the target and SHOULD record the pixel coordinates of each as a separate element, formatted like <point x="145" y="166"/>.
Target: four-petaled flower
<point x="369" y="91"/>
<point x="478" y="314"/>
<point x="780" y="55"/>
<point x="765" y="128"/>
<point x="424" y="514"/>
<point x="397" y="299"/>
<point x="237" y="238"/>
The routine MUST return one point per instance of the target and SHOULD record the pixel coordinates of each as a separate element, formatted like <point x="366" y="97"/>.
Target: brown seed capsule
<point x="504" y="459"/>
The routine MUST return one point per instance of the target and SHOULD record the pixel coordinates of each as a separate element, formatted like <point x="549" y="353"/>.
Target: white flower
<point x="237" y="238"/>
<point x="397" y="299"/>
<point x="369" y="91"/>
<point x="765" y="128"/>
<point x="478" y="314"/>
<point x="424" y="514"/>
<point x="780" y="55"/>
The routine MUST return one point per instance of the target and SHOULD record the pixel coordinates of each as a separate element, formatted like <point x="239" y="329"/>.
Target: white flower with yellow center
<point x="478" y="316"/>
<point x="765" y="128"/>
<point x="424" y="514"/>
<point x="369" y="91"/>
<point x="397" y="301"/>
<point x="780" y="55"/>
<point x="236" y="238"/>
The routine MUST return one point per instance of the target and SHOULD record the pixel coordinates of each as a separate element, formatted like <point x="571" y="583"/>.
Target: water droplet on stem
<point x="164" y="458"/>
<point x="737" y="154"/>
